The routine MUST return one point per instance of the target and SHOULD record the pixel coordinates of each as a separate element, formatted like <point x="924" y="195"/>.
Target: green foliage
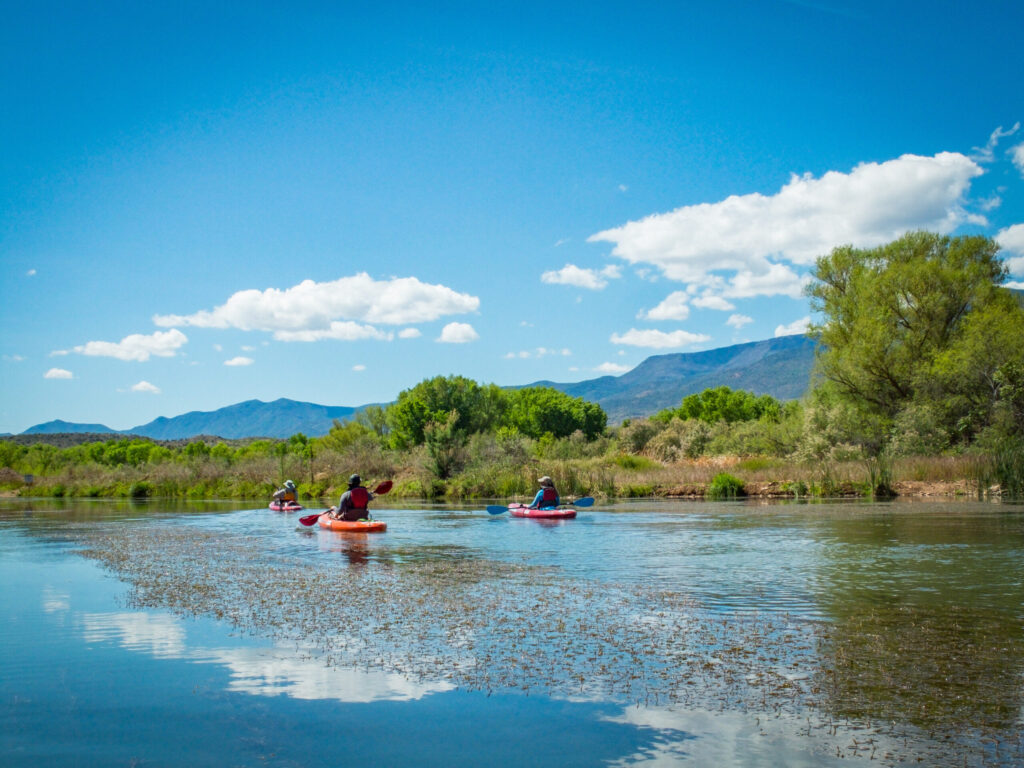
<point x="680" y="440"/>
<point x="921" y="324"/>
<point x="725" y="486"/>
<point x="477" y="408"/>
<point x="627" y="461"/>
<point x="444" y="442"/>
<point x="537" y="411"/>
<point x="532" y="411"/>
<point x="140" y="490"/>
<point x="724" y="404"/>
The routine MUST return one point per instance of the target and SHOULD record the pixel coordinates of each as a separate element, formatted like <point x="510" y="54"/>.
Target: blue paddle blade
<point x="495" y="510"/>
<point x="586" y="501"/>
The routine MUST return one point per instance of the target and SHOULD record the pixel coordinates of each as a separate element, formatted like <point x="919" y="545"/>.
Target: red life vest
<point x="360" y="497"/>
<point x="550" y="498"/>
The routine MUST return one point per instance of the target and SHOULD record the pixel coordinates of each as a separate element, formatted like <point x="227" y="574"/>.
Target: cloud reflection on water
<point x="259" y="671"/>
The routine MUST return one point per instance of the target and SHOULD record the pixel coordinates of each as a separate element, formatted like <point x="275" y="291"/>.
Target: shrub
<point x="140" y="490"/>
<point x="725" y="486"/>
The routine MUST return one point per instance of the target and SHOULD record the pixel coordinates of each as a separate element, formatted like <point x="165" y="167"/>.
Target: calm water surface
<point x="655" y="633"/>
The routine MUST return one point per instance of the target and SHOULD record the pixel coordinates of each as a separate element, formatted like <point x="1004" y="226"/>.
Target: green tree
<point x="920" y="321"/>
<point x="536" y="411"/>
<point x="478" y="408"/>
<point x="724" y="404"/>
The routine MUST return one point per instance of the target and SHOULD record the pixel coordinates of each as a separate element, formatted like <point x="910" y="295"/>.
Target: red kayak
<point x="285" y="506"/>
<point x="551" y="513"/>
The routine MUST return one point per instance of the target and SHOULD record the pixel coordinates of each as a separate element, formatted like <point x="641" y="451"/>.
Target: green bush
<point x="140" y="490"/>
<point x="725" y="486"/>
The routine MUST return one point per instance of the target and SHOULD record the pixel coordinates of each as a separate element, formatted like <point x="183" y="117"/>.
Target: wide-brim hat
<point x="545" y="480"/>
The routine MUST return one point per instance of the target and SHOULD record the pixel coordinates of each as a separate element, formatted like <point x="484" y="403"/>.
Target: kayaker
<point x="547" y="496"/>
<point x="287" y="494"/>
<point x="353" y="503"/>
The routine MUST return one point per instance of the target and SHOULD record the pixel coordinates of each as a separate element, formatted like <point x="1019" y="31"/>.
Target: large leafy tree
<point x="920" y="321"/>
<point x="477" y="409"/>
<point x="536" y="411"/>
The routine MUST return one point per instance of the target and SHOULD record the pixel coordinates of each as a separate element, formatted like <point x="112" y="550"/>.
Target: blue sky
<point x="203" y="203"/>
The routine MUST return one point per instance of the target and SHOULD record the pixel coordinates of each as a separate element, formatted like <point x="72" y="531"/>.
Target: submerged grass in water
<point x="869" y="678"/>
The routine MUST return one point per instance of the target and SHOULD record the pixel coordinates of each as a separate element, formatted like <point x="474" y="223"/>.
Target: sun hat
<point x="545" y="480"/>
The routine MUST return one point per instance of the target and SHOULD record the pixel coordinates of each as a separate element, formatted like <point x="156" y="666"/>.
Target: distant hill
<point x="58" y="426"/>
<point x="253" y="418"/>
<point x="779" y="367"/>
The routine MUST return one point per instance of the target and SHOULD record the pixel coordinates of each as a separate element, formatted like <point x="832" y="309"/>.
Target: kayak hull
<point x="285" y="506"/>
<point x="559" y="513"/>
<point x="352" y="526"/>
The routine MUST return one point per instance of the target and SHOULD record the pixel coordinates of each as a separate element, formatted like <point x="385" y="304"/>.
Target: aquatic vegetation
<point x="454" y="613"/>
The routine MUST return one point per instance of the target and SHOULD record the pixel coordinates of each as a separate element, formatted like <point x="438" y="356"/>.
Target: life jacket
<point x="360" y="497"/>
<point x="289" y="496"/>
<point x="550" y="497"/>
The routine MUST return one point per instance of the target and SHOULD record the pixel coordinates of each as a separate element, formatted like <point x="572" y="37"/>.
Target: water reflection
<point x="926" y="620"/>
<point x="260" y="671"/>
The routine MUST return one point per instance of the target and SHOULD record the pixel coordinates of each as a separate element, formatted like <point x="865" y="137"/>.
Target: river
<point x="640" y="633"/>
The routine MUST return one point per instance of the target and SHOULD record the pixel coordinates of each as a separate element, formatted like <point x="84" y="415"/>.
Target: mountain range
<point x="780" y="367"/>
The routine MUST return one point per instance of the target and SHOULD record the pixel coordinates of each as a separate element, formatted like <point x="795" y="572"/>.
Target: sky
<point x="206" y="203"/>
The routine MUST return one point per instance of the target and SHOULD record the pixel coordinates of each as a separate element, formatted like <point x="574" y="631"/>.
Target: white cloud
<point x="145" y="386"/>
<point x="1017" y="155"/>
<point x="30" y="273"/>
<point x="593" y="279"/>
<point x="218" y="348"/>
<point x="987" y="153"/>
<point x="59" y="353"/>
<point x="358" y="367"/>
<point x="612" y="368"/>
<point x="409" y="333"/>
<point x="539" y="352"/>
<point x="707" y="301"/>
<point x="136" y="346"/>
<point x="331" y="310"/>
<point x="797" y="326"/>
<point x="339" y="330"/>
<point x="58" y="373"/>
<point x="458" y="333"/>
<point x="658" y="339"/>
<point x="778" y="280"/>
<point x="237" y="361"/>
<point x="14" y="358"/>
<point x="1011" y="240"/>
<point x="623" y="188"/>
<point x="738" y="321"/>
<point x="871" y="205"/>
<point x="1018" y="285"/>
<point x="673" y="307"/>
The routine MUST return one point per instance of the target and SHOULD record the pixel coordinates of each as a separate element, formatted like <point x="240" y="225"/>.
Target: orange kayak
<point x="356" y="526"/>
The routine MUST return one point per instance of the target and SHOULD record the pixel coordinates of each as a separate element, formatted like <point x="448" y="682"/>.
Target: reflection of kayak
<point x="558" y="513"/>
<point x="285" y="506"/>
<point x="357" y="526"/>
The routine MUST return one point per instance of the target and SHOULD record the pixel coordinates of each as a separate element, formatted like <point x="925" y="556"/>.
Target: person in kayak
<point x="354" y="502"/>
<point x="547" y="496"/>
<point x="287" y="494"/>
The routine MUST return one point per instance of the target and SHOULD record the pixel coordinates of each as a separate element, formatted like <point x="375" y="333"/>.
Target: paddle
<point x="586" y="501"/>
<point x="380" y="490"/>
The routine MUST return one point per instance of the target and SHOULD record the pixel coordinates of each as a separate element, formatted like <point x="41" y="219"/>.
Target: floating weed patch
<point x="903" y="687"/>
